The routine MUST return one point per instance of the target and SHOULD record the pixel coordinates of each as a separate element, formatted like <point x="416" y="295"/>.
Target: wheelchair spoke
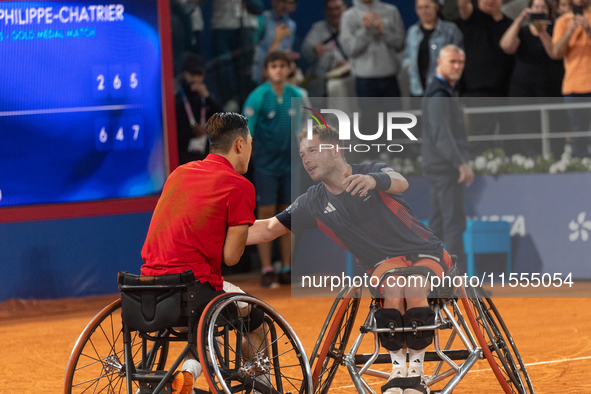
<point x="272" y="362"/>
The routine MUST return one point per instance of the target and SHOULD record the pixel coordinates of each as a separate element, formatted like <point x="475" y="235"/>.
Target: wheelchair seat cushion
<point x="151" y="303"/>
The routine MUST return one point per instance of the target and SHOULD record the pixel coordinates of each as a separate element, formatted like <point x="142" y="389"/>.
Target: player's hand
<point x="466" y="174"/>
<point x="358" y="183"/>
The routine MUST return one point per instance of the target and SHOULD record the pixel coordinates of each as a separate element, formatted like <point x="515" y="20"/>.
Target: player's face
<point x="278" y="71"/>
<point x="318" y="161"/>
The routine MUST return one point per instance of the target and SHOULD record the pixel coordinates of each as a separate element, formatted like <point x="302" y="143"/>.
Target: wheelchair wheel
<point x="97" y="362"/>
<point x="334" y="338"/>
<point x="497" y="344"/>
<point x="254" y="352"/>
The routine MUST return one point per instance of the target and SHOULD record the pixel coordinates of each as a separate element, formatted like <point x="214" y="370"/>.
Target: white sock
<point x="193" y="366"/>
<point x="398" y="358"/>
<point x="416" y="358"/>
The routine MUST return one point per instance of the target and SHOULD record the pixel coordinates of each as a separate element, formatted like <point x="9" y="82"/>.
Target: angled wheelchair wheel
<point x="97" y="362"/>
<point x="497" y="344"/>
<point x="245" y="346"/>
<point x="332" y="341"/>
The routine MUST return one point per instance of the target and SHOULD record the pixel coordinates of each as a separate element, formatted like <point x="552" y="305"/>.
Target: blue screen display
<point x="81" y="114"/>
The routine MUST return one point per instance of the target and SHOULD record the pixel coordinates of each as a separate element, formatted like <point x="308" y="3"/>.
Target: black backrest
<point x="152" y="303"/>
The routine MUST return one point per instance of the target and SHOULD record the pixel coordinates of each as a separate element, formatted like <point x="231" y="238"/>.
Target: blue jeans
<point x="580" y="119"/>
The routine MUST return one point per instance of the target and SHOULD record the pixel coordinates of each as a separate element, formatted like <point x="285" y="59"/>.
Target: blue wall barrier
<point x="69" y="257"/>
<point x="550" y="217"/>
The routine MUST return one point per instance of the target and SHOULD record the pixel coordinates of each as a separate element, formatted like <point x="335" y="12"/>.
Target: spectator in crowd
<point x="513" y="8"/>
<point x="371" y="34"/>
<point x="194" y="106"/>
<point x="534" y="56"/>
<point x="488" y="68"/>
<point x="445" y="152"/>
<point x="322" y="48"/>
<point x="278" y="34"/>
<point x="270" y="119"/>
<point x="531" y="42"/>
<point x="424" y="39"/>
<point x="234" y="30"/>
<point x="572" y="41"/>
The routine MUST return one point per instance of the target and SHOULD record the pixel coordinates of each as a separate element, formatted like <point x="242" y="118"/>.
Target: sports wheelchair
<point x="488" y="339"/>
<point x="243" y="344"/>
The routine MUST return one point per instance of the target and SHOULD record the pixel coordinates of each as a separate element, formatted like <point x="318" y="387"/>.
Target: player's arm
<point x="265" y="231"/>
<point x="389" y="182"/>
<point x="234" y="244"/>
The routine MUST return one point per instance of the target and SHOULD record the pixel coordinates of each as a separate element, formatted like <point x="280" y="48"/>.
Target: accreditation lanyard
<point x="189" y="110"/>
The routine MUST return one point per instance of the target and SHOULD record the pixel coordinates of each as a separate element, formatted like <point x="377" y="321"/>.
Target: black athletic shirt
<point x="488" y="69"/>
<point x="424" y="60"/>
<point x="372" y="228"/>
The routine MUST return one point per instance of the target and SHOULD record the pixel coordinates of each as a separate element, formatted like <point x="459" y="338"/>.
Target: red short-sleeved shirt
<point x="200" y="200"/>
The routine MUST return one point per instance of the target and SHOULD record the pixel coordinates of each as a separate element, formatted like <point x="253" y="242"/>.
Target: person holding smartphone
<point x="572" y="41"/>
<point x="530" y="38"/>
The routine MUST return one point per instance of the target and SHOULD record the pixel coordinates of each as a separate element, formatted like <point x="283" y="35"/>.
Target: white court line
<point x="544" y="362"/>
<point x="70" y="109"/>
<point x="482" y="370"/>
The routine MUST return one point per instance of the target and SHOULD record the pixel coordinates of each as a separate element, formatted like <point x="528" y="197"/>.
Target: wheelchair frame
<point x="110" y="359"/>
<point x="490" y="340"/>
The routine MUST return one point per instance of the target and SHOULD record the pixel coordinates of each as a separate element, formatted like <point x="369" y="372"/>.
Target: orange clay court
<point x="553" y="336"/>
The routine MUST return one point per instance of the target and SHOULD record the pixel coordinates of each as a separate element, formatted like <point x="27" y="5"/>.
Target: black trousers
<point x="448" y="217"/>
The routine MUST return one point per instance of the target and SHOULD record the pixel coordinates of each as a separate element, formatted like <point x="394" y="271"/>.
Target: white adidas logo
<point x="329" y="208"/>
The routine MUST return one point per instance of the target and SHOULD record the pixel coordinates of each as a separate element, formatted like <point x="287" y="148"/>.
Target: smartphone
<point x="539" y="17"/>
<point x="578" y="9"/>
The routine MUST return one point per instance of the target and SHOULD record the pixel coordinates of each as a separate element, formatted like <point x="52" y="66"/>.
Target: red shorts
<point x="402" y="261"/>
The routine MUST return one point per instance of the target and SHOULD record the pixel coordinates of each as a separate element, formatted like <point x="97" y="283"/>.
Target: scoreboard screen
<point x="81" y="103"/>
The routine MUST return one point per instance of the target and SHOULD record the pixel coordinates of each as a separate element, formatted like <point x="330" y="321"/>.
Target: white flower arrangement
<point x="496" y="162"/>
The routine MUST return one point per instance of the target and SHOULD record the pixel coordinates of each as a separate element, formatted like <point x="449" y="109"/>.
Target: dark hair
<point x="223" y="129"/>
<point x="329" y="136"/>
<point x="276" y="55"/>
<point x="549" y="5"/>
<point x="193" y="64"/>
